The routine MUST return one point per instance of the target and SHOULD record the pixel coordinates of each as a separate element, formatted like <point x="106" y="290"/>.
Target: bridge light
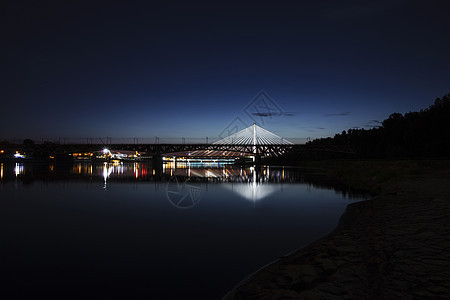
<point x="18" y="155"/>
<point x="105" y="151"/>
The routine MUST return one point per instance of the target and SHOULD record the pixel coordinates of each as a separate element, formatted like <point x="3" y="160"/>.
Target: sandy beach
<point x="394" y="246"/>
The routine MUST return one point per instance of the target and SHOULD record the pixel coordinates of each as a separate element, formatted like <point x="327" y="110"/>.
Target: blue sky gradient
<point x="188" y="69"/>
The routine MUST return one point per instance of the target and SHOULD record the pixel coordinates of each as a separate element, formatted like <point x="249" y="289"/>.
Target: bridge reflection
<point x="251" y="182"/>
<point x="226" y="173"/>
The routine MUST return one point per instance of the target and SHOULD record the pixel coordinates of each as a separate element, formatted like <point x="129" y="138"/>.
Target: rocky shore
<point x="394" y="246"/>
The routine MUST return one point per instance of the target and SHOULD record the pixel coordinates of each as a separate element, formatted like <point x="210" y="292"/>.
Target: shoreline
<point x="394" y="245"/>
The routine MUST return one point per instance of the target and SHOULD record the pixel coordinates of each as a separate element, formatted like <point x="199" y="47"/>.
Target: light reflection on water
<point x="143" y="171"/>
<point x="130" y="229"/>
<point x="18" y="169"/>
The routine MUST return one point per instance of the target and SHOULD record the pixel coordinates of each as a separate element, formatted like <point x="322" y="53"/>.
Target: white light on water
<point x="18" y="169"/>
<point x="107" y="170"/>
<point x="253" y="191"/>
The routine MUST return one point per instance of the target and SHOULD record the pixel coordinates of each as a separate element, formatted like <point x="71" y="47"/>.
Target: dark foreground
<point x="395" y="246"/>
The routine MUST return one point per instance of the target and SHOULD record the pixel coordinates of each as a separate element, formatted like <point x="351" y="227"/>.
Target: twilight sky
<point x="195" y="69"/>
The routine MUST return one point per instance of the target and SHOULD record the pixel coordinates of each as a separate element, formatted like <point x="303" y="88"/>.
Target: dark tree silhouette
<point x="28" y="142"/>
<point x="415" y="134"/>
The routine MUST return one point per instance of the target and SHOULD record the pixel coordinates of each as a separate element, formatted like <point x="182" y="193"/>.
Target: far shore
<point x="394" y="246"/>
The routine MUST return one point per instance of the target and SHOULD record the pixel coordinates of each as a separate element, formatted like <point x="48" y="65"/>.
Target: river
<point x="126" y="230"/>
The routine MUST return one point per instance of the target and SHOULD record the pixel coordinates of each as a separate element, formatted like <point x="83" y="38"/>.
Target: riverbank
<point x="396" y="245"/>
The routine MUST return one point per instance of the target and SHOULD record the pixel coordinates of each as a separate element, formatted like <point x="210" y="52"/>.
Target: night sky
<point x="195" y="69"/>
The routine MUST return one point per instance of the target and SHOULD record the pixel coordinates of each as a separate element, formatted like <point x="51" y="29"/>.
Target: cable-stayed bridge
<point x="252" y="141"/>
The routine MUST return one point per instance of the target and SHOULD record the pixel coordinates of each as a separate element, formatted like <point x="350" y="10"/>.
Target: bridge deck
<point x="152" y="149"/>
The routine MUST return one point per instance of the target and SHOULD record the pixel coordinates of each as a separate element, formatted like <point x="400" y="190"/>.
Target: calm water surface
<point x="126" y="230"/>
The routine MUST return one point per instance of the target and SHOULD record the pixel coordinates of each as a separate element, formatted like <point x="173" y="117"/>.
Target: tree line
<point x="421" y="134"/>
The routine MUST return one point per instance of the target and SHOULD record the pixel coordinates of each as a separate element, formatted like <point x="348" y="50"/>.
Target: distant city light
<point x="18" y="155"/>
